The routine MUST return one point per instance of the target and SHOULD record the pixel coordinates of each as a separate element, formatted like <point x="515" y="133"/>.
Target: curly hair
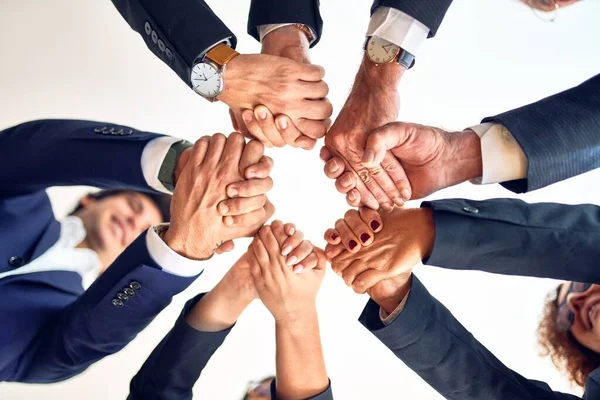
<point x="566" y="353"/>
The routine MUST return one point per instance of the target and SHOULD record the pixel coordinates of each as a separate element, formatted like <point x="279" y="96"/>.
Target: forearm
<point x="300" y="364"/>
<point x="381" y="76"/>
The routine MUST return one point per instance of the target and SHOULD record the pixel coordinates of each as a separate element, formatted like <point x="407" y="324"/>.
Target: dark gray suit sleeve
<point x="176" y="363"/>
<point x="431" y="342"/>
<point x="429" y="12"/>
<point x="511" y="237"/>
<point x="560" y="135"/>
<point x="177" y="32"/>
<point x="326" y="394"/>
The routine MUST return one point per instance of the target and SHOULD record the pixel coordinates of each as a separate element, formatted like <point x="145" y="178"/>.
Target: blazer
<point x="177" y="32"/>
<point x="500" y="236"/>
<point x="50" y="329"/>
<point x="174" y="366"/>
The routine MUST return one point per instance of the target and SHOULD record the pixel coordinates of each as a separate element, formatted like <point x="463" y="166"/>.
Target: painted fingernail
<point x="262" y="114"/>
<point x="286" y="250"/>
<point x="365" y="237"/>
<point x="292" y="260"/>
<point x="334" y="236"/>
<point x="282" y="123"/>
<point x="298" y="268"/>
<point x="346" y="181"/>
<point x="368" y="157"/>
<point x="398" y="201"/>
<point x="233" y="192"/>
<point x="333" y="166"/>
<point x="375" y="225"/>
<point x="352" y="244"/>
<point x="405" y="194"/>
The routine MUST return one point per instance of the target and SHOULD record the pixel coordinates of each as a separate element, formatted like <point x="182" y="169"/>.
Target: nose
<point x="575" y="301"/>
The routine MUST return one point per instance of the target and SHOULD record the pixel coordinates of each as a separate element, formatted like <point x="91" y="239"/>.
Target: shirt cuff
<point x="152" y="158"/>
<point x="388" y="319"/>
<point x="169" y="260"/>
<point x="399" y="28"/>
<point x="502" y="157"/>
<point x="264" y="30"/>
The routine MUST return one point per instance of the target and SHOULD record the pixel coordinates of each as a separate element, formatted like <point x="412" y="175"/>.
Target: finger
<point x="310" y="72"/>
<point x="353" y="198"/>
<point x="346" y="182"/>
<point x="358" y="227"/>
<point x="254" y="128"/>
<point x="314" y="90"/>
<point x="314" y="129"/>
<point x="269" y="210"/>
<point x="234" y="122"/>
<point x="261" y="170"/>
<point x="289" y="228"/>
<point x="255" y="268"/>
<point x="252" y="219"/>
<point x="321" y="260"/>
<point x="391" y="178"/>
<point x="291" y="243"/>
<point x="234" y="147"/>
<point x="371" y="218"/>
<point x="316" y="109"/>
<point x="279" y="232"/>
<point x="299" y="253"/>
<point x="348" y="239"/>
<point x="252" y="154"/>
<point x="253" y="187"/>
<point x="199" y="150"/>
<point x="304" y="142"/>
<point x="241" y="205"/>
<point x="369" y="188"/>
<point x="310" y="262"/>
<point x="332" y="236"/>
<point x="215" y="149"/>
<point x="287" y="129"/>
<point x="334" y="250"/>
<point x="261" y="253"/>
<point x="272" y="246"/>
<point x="367" y="279"/>
<point x="225" y="247"/>
<point x="356" y="268"/>
<point x="266" y="122"/>
<point x="335" y="167"/>
<point x="381" y="140"/>
<point x="325" y="154"/>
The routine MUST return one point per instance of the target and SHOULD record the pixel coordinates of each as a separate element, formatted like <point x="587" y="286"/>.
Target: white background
<point x="79" y="59"/>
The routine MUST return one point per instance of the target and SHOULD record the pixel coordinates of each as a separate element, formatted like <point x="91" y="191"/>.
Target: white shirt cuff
<point x="169" y="260"/>
<point x="264" y="30"/>
<point x="388" y="319"/>
<point x="502" y="157"/>
<point x="152" y="158"/>
<point x="399" y="28"/>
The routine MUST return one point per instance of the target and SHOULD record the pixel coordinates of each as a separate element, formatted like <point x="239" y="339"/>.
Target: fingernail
<point x="351" y="196"/>
<point x="335" y="236"/>
<point x="292" y="260"/>
<point x="282" y="123"/>
<point x="387" y="207"/>
<point x="333" y="166"/>
<point x="228" y="220"/>
<point x="251" y="173"/>
<point x="405" y="194"/>
<point x="292" y="231"/>
<point x="365" y="237"/>
<point x="224" y="208"/>
<point x="352" y="244"/>
<point x="368" y="157"/>
<point x="233" y="192"/>
<point x="375" y="225"/>
<point x="262" y="114"/>
<point x="398" y="201"/>
<point x="286" y="250"/>
<point x="346" y="181"/>
<point x="298" y="268"/>
<point x="247" y="116"/>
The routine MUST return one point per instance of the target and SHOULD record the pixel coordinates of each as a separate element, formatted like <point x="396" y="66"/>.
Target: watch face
<point x="381" y="51"/>
<point x="206" y="80"/>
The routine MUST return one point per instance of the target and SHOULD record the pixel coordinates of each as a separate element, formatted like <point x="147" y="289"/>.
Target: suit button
<point x="471" y="210"/>
<point x="117" y="132"/>
<point x="99" y="130"/>
<point x="135" y="285"/>
<point x="106" y="130"/>
<point x="117" y="303"/>
<point x="148" y="28"/>
<point x="161" y="45"/>
<point x="154" y="37"/>
<point x="16" y="261"/>
<point x="129" y="292"/>
<point x="169" y="53"/>
<point x="123" y="297"/>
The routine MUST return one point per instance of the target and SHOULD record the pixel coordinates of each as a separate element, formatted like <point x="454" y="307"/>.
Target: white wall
<point x="79" y="59"/>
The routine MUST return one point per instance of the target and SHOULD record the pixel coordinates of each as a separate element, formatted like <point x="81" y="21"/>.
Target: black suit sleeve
<point x="560" y="135"/>
<point x="264" y="12"/>
<point x="326" y="394"/>
<point x="175" y="364"/>
<point x="511" y="237"/>
<point x="177" y="32"/>
<point x="429" y="12"/>
<point x="431" y="342"/>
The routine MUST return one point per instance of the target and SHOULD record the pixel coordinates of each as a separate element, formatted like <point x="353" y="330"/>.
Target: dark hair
<point x="161" y="200"/>
<point x="566" y="353"/>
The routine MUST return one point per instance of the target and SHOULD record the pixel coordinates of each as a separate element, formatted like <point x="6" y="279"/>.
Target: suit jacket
<point x="175" y="365"/>
<point x="52" y="330"/>
<point x="500" y="236"/>
<point x="429" y="12"/>
<point x="177" y="32"/>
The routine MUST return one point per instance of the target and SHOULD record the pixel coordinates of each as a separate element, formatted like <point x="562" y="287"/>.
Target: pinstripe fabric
<point x="560" y="135"/>
<point x="428" y="12"/>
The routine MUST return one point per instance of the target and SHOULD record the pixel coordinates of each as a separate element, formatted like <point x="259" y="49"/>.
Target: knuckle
<point x="389" y="166"/>
<point x="365" y="176"/>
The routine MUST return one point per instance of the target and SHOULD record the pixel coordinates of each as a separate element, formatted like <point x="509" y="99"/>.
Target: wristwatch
<point x="381" y="51"/>
<point x="207" y="73"/>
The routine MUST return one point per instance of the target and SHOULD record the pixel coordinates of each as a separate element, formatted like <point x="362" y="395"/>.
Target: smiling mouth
<point x="118" y="229"/>
<point x="593" y="314"/>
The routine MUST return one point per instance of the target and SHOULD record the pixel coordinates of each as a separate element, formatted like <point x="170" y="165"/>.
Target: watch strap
<point x="221" y="54"/>
<point x="166" y="173"/>
<point x="406" y="59"/>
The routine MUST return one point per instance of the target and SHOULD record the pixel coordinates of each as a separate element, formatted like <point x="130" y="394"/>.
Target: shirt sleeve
<point x="264" y="30"/>
<point x="389" y="319"/>
<point x="502" y="157"/>
<point x="399" y="28"/>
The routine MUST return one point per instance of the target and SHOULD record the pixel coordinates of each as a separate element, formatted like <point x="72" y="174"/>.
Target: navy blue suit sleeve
<point x="185" y="28"/>
<point x="511" y="237"/>
<point x="429" y="12"/>
<point x="93" y="327"/>
<point x="560" y="135"/>
<point x="177" y="362"/>
<point x="326" y="394"/>
<point x="306" y="12"/>
<point x="431" y="342"/>
<point x="38" y="154"/>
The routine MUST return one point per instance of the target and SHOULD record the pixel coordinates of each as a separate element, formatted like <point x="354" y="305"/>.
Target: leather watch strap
<point x="221" y="54"/>
<point x="166" y="174"/>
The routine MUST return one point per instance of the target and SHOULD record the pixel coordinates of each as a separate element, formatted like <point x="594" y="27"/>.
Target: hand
<point x="406" y="237"/>
<point x="197" y="229"/>
<point x="373" y="102"/>
<point x="286" y="294"/>
<point x="432" y="158"/>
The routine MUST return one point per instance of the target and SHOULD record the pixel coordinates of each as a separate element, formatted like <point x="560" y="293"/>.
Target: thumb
<point x="383" y="139"/>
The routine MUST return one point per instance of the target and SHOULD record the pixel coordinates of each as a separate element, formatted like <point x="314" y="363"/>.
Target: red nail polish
<point x="375" y="225"/>
<point x="352" y="244"/>
<point x="364" y="237"/>
<point x="334" y="236"/>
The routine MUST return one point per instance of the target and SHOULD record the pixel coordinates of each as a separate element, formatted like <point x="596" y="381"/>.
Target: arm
<point x="429" y="12"/>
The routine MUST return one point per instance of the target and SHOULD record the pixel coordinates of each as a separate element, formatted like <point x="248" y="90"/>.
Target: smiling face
<point x="548" y="5"/>
<point x="585" y="308"/>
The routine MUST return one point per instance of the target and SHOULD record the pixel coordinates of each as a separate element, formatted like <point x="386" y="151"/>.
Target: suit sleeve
<point x="97" y="325"/>
<point x="38" y="154"/>
<point x="560" y="135"/>
<point x="431" y="342"/>
<point x="511" y="237"/>
<point x="326" y="394"/>
<point x="177" y="362"/>
<point x="265" y="12"/>
<point x="177" y="32"/>
<point x="429" y="12"/>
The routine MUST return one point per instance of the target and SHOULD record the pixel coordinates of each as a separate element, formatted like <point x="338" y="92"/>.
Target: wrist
<point x="288" y="41"/>
<point x="390" y="299"/>
<point x="178" y="243"/>
<point x="297" y="322"/>
<point x="379" y="75"/>
<point x="464" y="156"/>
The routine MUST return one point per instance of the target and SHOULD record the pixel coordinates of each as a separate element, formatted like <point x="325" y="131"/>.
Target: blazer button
<point x="135" y="285"/>
<point x="106" y="130"/>
<point x="161" y="45"/>
<point x="148" y="28"/>
<point x="129" y="292"/>
<point x="471" y="210"/>
<point x="99" y="130"/>
<point x="154" y="37"/>
<point x="117" y="303"/>
<point x="16" y="261"/>
<point x="169" y="53"/>
<point x="123" y="297"/>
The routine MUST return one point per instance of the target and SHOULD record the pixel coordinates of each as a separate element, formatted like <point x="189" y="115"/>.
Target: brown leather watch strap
<point x="221" y="54"/>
